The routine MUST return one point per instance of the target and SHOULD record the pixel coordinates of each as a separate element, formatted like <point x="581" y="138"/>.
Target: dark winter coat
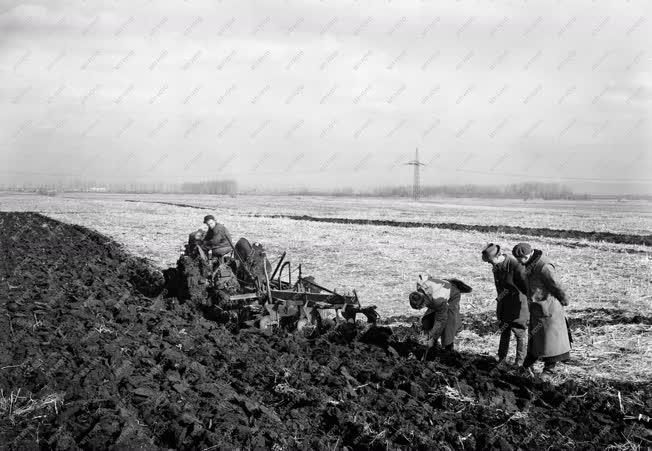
<point x="548" y="329"/>
<point x="511" y="286"/>
<point x="218" y="240"/>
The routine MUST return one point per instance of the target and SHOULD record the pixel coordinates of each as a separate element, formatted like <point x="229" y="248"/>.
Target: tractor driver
<point x="217" y="239"/>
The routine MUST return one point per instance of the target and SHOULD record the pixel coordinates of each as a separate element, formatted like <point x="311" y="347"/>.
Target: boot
<point x="503" y="364"/>
<point x="450" y="350"/>
<point x="548" y="372"/>
<point x="549" y="367"/>
<point x="529" y="361"/>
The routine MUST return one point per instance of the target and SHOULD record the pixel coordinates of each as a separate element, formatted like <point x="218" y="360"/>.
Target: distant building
<point x="97" y="189"/>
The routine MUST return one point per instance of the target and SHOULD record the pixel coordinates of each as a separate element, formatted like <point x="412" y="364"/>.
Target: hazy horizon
<point x="324" y="95"/>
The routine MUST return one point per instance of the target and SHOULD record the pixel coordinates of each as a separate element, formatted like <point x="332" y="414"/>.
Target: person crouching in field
<point x="511" y="303"/>
<point x="549" y="337"/>
<point x="442" y="299"/>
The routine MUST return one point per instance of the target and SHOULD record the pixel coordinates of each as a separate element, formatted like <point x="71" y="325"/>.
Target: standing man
<point x="217" y="239"/>
<point x="549" y="337"/>
<point x="442" y="299"/>
<point x="511" y="303"/>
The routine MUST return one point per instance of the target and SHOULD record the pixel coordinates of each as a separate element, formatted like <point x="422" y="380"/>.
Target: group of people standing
<point x="528" y="305"/>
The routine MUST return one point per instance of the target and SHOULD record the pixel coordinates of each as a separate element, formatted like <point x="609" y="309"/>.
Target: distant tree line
<point x="338" y="192"/>
<point x="529" y="190"/>
<point x="206" y="187"/>
<point x="210" y="187"/>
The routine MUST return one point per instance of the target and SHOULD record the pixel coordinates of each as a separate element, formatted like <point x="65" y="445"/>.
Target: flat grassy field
<point x="608" y="284"/>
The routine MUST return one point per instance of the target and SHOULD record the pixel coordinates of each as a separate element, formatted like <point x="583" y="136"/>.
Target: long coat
<point x="442" y="319"/>
<point x="511" y="286"/>
<point x="548" y="330"/>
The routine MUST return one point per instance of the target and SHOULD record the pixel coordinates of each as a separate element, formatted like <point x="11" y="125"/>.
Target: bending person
<point x="442" y="319"/>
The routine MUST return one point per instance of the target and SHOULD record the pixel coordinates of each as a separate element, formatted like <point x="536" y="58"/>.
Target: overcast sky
<point x="327" y="94"/>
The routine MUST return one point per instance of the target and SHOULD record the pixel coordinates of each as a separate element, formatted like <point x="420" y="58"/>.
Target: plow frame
<point x="277" y="297"/>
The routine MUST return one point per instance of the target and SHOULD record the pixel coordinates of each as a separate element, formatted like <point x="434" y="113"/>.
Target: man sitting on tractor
<point x="217" y="239"/>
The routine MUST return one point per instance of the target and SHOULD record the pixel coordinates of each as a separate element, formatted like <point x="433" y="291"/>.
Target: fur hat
<point x="521" y="250"/>
<point x="208" y="218"/>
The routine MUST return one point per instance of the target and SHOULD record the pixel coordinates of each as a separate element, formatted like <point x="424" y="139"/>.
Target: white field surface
<point x="380" y="262"/>
<point x="631" y="217"/>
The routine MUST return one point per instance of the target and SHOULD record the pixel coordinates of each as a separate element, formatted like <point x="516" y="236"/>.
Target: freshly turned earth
<point x="133" y="369"/>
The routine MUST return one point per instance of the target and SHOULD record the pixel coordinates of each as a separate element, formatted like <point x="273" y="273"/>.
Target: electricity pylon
<point x="416" y="183"/>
